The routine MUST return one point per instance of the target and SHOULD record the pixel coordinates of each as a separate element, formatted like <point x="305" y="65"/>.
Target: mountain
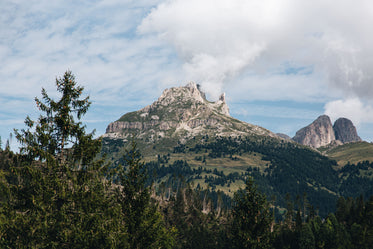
<point x="321" y="132"/>
<point x="180" y="114"/>
<point x="345" y="131"/>
<point x="317" y="134"/>
<point x="186" y="139"/>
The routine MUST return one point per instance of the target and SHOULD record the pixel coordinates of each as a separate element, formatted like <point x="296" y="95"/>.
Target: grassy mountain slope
<point x="223" y="163"/>
<point x="351" y="152"/>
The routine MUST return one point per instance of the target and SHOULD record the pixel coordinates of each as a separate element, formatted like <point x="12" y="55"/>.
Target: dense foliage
<point x="350" y="227"/>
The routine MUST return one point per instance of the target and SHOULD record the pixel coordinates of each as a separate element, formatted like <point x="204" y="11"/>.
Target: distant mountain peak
<point x="345" y="131"/>
<point x="321" y="132"/>
<point x="182" y="111"/>
<point x="192" y="94"/>
<point x="318" y="133"/>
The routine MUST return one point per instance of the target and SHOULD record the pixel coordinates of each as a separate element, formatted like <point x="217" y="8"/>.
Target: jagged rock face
<point x="317" y="134"/>
<point x="345" y="131"/>
<point x="181" y="110"/>
<point x="322" y="133"/>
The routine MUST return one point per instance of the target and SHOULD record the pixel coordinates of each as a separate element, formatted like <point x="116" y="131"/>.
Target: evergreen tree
<point x="252" y="218"/>
<point x="306" y="237"/>
<point x="58" y="198"/>
<point x="142" y="220"/>
<point x="195" y="228"/>
<point x="48" y="138"/>
<point x="368" y="222"/>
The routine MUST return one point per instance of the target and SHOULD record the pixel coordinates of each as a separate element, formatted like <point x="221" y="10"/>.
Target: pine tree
<point x="252" y="218"/>
<point x="48" y="138"/>
<point x="306" y="237"/>
<point x="142" y="220"/>
<point x="58" y="199"/>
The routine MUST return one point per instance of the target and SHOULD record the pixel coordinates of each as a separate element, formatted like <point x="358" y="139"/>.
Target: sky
<point x="281" y="63"/>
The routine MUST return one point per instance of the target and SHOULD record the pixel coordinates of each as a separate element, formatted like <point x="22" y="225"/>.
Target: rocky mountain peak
<point x="345" y="131"/>
<point x="319" y="133"/>
<point x="190" y="92"/>
<point x="188" y="97"/>
<point x="181" y="110"/>
<point x="322" y="133"/>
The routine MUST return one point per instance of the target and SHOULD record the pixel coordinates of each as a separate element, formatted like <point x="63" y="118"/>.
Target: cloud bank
<point x="219" y="39"/>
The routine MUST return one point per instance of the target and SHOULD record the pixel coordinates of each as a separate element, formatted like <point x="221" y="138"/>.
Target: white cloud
<point x="300" y="88"/>
<point x="353" y="109"/>
<point x="218" y="39"/>
<point x="96" y="40"/>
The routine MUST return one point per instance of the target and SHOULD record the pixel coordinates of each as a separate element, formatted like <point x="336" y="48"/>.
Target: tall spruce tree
<point x="58" y="198"/>
<point x="59" y="128"/>
<point x="142" y="220"/>
<point x="252" y="218"/>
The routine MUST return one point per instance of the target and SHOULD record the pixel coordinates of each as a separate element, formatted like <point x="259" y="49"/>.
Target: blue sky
<point x="281" y="63"/>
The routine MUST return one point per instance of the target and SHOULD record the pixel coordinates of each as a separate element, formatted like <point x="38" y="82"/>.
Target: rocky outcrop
<point x="345" y="131"/>
<point x="182" y="110"/>
<point x="222" y="105"/>
<point x="322" y="133"/>
<point x="200" y="122"/>
<point x="119" y="126"/>
<point x="317" y="134"/>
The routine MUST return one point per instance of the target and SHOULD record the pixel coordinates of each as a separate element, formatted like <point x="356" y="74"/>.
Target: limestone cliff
<point x="317" y="134"/>
<point x="322" y="133"/>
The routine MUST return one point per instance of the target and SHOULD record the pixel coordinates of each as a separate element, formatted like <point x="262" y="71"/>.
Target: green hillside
<point x="351" y="152"/>
<point x="279" y="167"/>
<point x="222" y="163"/>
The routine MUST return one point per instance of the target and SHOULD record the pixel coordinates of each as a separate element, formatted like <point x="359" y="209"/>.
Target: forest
<point x="290" y="170"/>
<point x="57" y="192"/>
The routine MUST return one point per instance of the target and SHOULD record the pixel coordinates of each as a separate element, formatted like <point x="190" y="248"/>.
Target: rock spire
<point x="317" y="134"/>
<point x="321" y="132"/>
<point x="345" y="131"/>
